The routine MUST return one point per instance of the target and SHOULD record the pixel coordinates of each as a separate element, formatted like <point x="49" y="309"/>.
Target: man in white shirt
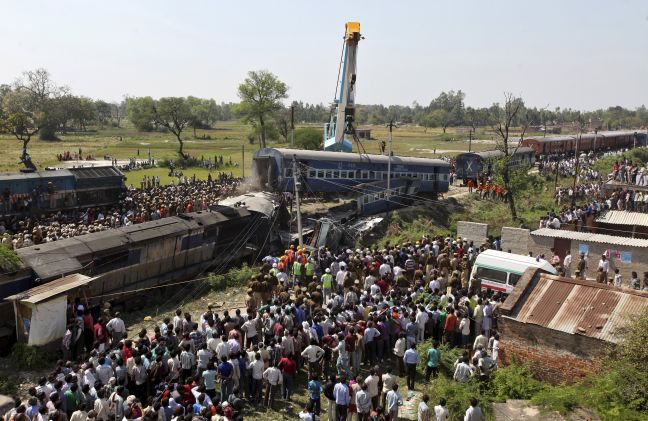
<point x="605" y="265"/>
<point x="274" y="379"/>
<point x="223" y="348"/>
<point x="313" y="353"/>
<point x="257" y="368"/>
<point x="393" y="401"/>
<point x="567" y="264"/>
<point x="440" y="411"/>
<point x="342" y="398"/>
<point x="423" y="412"/>
<point x="474" y="412"/>
<point x="116" y="328"/>
<point x="388" y="381"/>
<point x="421" y="320"/>
<point x="250" y="330"/>
<point x="462" y="372"/>
<point x="372" y="387"/>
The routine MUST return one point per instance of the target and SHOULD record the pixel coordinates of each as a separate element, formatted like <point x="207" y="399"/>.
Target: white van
<point x="500" y="271"/>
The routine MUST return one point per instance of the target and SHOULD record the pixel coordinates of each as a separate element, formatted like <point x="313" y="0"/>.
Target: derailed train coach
<point x="145" y="257"/>
<point x="341" y="172"/>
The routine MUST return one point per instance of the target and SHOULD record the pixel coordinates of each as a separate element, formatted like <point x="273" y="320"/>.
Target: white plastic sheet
<point x="48" y="321"/>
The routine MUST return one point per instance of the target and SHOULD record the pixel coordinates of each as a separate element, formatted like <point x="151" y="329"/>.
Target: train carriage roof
<point x="154" y="229"/>
<point x="303" y="154"/>
<point x="497" y="152"/>
<point x="53" y="259"/>
<point x="260" y="202"/>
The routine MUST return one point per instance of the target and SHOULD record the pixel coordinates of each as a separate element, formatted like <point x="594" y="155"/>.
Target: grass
<point x="226" y="139"/>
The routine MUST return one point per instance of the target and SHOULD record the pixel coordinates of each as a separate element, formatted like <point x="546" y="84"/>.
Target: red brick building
<point x="563" y="326"/>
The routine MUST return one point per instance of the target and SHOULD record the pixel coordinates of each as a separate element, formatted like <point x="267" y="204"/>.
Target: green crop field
<point x="226" y="139"/>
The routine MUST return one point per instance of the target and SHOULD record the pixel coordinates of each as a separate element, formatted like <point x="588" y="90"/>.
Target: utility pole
<point x="580" y="131"/>
<point x="299" y="221"/>
<point x="243" y="160"/>
<point x="470" y="139"/>
<point x="391" y="126"/>
<point x="292" y="126"/>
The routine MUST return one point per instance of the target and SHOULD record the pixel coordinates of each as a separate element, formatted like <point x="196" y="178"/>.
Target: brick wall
<point x="554" y="356"/>
<point x="516" y="240"/>
<point x="473" y="231"/>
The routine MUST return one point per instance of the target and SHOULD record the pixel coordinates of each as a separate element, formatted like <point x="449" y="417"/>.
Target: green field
<point x="226" y="139"/>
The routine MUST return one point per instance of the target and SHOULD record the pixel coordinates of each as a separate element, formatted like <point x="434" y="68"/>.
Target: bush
<point x="457" y="396"/>
<point x="9" y="261"/>
<point x="235" y="277"/>
<point x="514" y="382"/>
<point x="24" y="357"/>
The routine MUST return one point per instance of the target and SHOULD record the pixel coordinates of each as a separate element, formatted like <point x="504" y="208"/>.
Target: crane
<point x="340" y="126"/>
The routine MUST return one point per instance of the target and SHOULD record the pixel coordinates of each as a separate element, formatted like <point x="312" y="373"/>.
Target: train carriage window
<point x="312" y="173"/>
<point x="320" y="173"/>
<point x="288" y="172"/>
<point x="328" y="174"/>
<point x="336" y="174"/>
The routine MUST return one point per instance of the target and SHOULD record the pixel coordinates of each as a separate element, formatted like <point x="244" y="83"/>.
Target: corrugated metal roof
<point x="581" y="307"/>
<point x="623" y="218"/>
<point x="51" y="289"/>
<point x="591" y="238"/>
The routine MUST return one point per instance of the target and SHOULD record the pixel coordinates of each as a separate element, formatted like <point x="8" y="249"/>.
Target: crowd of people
<point x="593" y="199"/>
<point x="350" y="323"/>
<point x="149" y="202"/>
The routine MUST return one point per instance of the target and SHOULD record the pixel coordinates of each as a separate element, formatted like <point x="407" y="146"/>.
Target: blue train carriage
<point x="374" y="197"/>
<point x="43" y="189"/>
<point x="340" y="172"/>
<point x="474" y="164"/>
<point x="97" y="186"/>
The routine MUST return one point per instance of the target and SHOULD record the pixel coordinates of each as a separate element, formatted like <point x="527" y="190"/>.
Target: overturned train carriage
<point x="340" y="172"/>
<point x="145" y="256"/>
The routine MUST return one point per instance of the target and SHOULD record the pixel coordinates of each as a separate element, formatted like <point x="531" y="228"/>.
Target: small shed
<point x="41" y="312"/>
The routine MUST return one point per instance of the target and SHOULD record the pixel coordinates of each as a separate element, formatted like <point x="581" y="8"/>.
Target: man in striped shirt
<point x="187" y="362"/>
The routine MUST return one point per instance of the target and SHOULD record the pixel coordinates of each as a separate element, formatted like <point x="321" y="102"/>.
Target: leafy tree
<point x="309" y="138"/>
<point x="23" y="118"/>
<point x="204" y="113"/>
<point x="104" y="111"/>
<point x="174" y="114"/>
<point x="452" y="103"/>
<point x="141" y="112"/>
<point x="118" y="112"/>
<point x="261" y="94"/>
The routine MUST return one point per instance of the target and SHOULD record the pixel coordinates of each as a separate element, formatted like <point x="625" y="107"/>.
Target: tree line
<point x="34" y="105"/>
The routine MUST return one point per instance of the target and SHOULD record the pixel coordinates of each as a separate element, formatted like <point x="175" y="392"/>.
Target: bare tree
<point x="511" y="114"/>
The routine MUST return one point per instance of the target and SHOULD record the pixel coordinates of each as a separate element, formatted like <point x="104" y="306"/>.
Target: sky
<point x="553" y="53"/>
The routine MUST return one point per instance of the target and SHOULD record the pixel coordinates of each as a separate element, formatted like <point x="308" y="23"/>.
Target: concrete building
<point x="563" y="326"/>
<point x="626" y="254"/>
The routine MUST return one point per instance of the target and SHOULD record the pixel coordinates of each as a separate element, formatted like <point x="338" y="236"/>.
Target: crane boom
<point x="343" y="112"/>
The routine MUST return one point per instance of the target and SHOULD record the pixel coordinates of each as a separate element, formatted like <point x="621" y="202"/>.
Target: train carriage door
<point x="561" y="247"/>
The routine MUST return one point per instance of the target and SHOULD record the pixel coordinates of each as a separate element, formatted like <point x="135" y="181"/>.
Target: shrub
<point x="9" y="261"/>
<point x="25" y="357"/>
<point x="457" y="396"/>
<point x="514" y="382"/>
<point x="236" y="276"/>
